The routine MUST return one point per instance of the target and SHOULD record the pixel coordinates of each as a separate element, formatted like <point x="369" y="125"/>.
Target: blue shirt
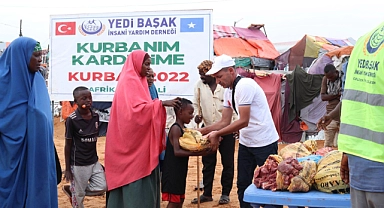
<point x="366" y="175"/>
<point x="153" y="92"/>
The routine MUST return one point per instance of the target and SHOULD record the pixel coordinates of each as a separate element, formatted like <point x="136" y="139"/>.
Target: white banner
<point x="90" y="50"/>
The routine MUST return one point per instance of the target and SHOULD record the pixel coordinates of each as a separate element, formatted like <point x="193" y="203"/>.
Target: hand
<point x="68" y="175"/>
<point x="324" y="122"/>
<point x="344" y="169"/>
<point x="175" y="103"/>
<point x="198" y="119"/>
<point x="203" y="131"/>
<point x="236" y="135"/>
<point x="214" y="139"/>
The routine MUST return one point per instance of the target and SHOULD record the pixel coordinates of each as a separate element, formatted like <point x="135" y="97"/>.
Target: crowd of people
<point x="144" y="164"/>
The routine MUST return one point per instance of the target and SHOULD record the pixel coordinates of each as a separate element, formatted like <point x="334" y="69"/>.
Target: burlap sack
<point x="294" y="150"/>
<point x="327" y="178"/>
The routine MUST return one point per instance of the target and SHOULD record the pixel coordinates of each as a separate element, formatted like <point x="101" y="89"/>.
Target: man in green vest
<point x="361" y="137"/>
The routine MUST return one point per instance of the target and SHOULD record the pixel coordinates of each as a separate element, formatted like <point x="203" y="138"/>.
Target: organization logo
<point x="91" y="27"/>
<point x="375" y="42"/>
<point x="65" y="28"/>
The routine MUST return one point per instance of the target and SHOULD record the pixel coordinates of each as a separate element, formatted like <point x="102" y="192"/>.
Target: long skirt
<point x="144" y="192"/>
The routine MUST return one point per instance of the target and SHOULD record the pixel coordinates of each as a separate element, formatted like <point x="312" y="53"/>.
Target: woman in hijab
<point x="135" y="138"/>
<point x="27" y="156"/>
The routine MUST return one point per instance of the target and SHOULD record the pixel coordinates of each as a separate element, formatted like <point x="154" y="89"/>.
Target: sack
<point x="294" y="150"/>
<point x="303" y="182"/>
<point x="311" y="145"/>
<point x="327" y="178"/>
<point x="193" y="141"/>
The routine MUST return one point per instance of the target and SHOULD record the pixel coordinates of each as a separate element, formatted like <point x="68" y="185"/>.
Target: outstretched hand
<point x="324" y="122"/>
<point x="214" y="139"/>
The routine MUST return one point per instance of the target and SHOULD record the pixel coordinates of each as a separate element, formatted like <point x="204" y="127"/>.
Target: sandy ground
<point x="99" y="201"/>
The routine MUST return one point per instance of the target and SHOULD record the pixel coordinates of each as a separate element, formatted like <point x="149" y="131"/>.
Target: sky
<point x="285" y="20"/>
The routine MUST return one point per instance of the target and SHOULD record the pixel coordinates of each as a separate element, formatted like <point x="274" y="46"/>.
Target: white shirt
<point x="261" y="130"/>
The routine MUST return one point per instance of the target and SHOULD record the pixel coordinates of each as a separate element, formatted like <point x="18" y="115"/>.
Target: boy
<point x="82" y="167"/>
<point x="173" y="179"/>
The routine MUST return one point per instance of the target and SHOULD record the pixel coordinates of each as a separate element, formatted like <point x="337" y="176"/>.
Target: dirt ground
<point x="99" y="201"/>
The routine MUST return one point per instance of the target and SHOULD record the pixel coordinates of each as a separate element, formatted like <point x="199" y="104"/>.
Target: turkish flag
<point x="65" y="28"/>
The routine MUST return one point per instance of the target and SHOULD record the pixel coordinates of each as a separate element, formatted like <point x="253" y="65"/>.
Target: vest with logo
<point x="362" y="112"/>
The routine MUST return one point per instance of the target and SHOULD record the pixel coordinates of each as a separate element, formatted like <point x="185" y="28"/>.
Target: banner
<point x="90" y="50"/>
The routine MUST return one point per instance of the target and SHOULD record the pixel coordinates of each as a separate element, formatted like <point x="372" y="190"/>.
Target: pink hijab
<point x="135" y="135"/>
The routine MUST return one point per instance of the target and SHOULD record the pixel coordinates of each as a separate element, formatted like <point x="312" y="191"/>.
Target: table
<point x="311" y="199"/>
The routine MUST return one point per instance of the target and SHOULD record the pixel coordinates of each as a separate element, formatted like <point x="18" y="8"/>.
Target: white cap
<point x="220" y="62"/>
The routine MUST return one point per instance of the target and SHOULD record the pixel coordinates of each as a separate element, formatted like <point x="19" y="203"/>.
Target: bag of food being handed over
<point x="327" y="178"/>
<point x="193" y="141"/>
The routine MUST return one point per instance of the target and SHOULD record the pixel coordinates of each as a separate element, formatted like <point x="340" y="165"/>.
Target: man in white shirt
<point x="208" y="97"/>
<point x="258" y="135"/>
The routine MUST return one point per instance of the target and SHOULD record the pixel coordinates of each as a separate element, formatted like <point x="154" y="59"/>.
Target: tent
<point x="290" y="95"/>
<point x="249" y="46"/>
<point x="308" y="49"/>
<point x="335" y="56"/>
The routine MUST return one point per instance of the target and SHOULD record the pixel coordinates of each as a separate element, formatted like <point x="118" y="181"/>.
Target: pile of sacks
<point x="300" y="167"/>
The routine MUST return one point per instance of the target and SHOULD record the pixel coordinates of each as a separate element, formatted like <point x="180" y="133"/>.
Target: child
<point x="151" y="85"/>
<point x="175" y="168"/>
<point x="82" y="167"/>
<point x="154" y="95"/>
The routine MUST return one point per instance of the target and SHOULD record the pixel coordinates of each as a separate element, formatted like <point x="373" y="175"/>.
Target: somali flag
<point x="192" y="24"/>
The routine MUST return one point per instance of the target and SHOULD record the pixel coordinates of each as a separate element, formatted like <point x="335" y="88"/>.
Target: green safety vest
<point x="362" y="112"/>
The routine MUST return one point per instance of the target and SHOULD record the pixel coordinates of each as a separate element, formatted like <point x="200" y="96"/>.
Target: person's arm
<point x="174" y="135"/>
<point x="336" y="112"/>
<point x="323" y="91"/>
<point x="245" y="93"/>
<point x="344" y="169"/>
<point x="175" y="103"/>
<point x="326" y="97"/>
<point x="67" y="153"/>
<point x="327" y="119"/>
<point x="245" y="113"/>
<point x="214" y="136"/>
<point x="226" y="118"/>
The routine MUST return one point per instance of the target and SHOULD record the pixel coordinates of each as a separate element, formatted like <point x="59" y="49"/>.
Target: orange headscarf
<point x="135" y="135"/>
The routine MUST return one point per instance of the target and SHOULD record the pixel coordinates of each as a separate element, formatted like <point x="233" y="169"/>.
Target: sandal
<point x="224" y="199"/>
<point x="202" y="199"/>
<point x="67" y="191"/>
